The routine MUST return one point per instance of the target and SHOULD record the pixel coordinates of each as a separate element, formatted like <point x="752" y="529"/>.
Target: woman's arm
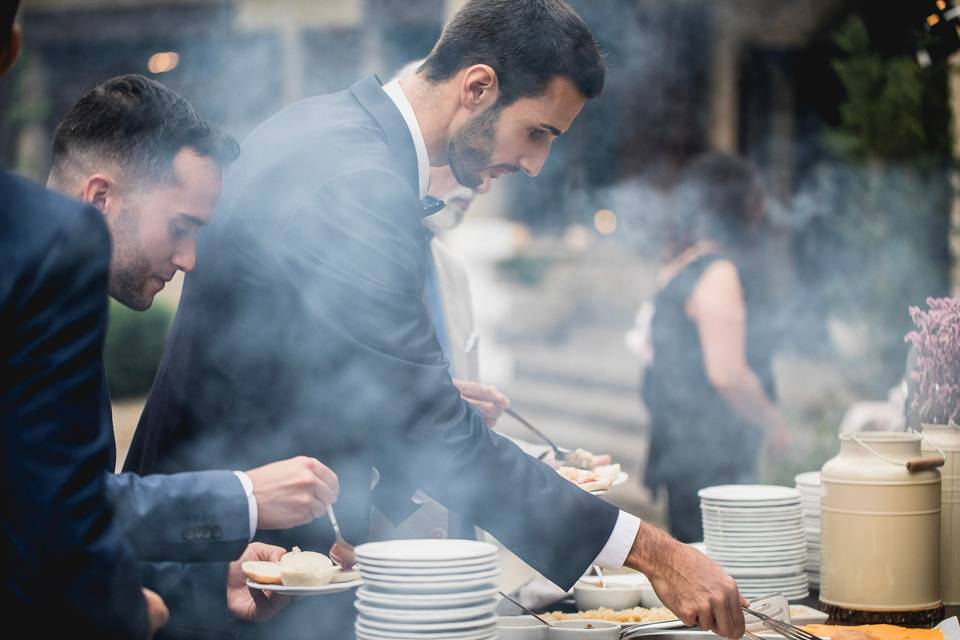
<point x="717" y="307"/>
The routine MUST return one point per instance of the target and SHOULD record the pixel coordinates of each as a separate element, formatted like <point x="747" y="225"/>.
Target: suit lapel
<point x="369" y="93"/>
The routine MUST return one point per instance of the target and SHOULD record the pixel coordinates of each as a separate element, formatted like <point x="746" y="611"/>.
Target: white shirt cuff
<point x="618" y="546"/>
<point x="251" y="501"/>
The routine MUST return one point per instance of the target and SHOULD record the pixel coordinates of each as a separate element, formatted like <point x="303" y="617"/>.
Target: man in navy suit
<point x="309" y="308"/>
<point x="138" y="152"/>
<point x="69" y="570"/>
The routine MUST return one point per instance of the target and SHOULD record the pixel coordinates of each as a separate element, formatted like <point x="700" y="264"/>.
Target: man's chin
<point x="138" y="302"/>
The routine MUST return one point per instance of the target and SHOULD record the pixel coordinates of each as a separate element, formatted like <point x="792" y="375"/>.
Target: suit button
<point x="216" y="532"/>
<point x="188" y="534"/>
<point x="438" y="534"/>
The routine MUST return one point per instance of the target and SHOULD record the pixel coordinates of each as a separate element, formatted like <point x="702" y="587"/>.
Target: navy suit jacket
<point x="303" y="331"/>
<point x="69" y="571"/>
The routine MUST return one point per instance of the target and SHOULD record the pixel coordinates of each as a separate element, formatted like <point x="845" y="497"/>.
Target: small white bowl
<point x="591" y="597"/>
<point x="521" y="628"/>
<point x="600" y="630"/>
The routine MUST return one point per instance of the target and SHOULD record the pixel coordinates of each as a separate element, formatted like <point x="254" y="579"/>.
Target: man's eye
<point x="181" y="232"/>
<point x="537" y="134"/>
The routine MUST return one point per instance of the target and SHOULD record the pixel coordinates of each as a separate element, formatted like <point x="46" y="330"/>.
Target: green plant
<point x="134" y="346"/>
<point x="883" y="203"/>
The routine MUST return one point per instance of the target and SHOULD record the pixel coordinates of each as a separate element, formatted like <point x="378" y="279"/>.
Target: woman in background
<point x="710" y="396"/>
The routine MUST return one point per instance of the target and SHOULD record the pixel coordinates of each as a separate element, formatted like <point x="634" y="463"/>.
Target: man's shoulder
<point x="33" y="219"/>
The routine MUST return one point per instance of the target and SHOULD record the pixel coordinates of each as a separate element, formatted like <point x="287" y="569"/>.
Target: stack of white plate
<point x="756" y="533"/>
<point x="427" y="589"/>
<point x="808" y="484"/>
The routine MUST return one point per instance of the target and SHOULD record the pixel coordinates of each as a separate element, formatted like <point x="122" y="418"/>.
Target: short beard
<point x="129" y="267"/>
<point x="471" y="147"/>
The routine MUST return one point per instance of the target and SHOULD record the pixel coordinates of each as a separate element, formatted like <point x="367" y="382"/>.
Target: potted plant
<point x="935" y="402"/>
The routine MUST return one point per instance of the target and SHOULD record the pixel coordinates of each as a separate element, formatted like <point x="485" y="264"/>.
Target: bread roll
<point x="262" y="572"/>
<point x="306" y="569"/>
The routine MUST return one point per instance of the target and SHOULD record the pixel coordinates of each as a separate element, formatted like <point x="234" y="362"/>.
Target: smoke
<point x="846" y="241"/>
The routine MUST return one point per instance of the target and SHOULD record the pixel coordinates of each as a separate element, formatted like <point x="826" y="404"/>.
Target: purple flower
<point x="935" y="377"/>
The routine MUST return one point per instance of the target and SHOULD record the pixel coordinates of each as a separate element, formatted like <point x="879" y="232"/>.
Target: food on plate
<point x="306" y="569"/>
<point x="586" y="480"/>
<point x="636" y="614"/>
<point x="262" y="572"/>
<point x="873" y="632"/>
<point x="345" y="576"/>
<point x="583" y="459"/>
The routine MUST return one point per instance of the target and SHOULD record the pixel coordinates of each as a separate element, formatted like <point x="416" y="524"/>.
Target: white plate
<point x="756" y="535"/>
<point x="333" y="587"/>
<point x="808" y="479"/>
<point x="429" y="564"/>
<point x="760" y="543"/>
<point x="802" y="614"/>
<point x="759" y="528"/>
<point x="764" y="572"/>
<point x="424" y="600"/>
<point x="478" y="624"/>
<point x="456" y="586"/>
<point x="428" y="571"/>
<point x="747" y="560"/>
<point x="784" y="511"/>
<point x="750" y="493"/>
<point x="366" y="633"/>
<point x="428" y="550"/>
<point x="485" y="576"/>
<point x="619" y="480"/>
<point x="428" y="615"/>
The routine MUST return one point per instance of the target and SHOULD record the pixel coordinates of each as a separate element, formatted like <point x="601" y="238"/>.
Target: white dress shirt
<point x="618" y="546"/>
<point x="252" y="513"/>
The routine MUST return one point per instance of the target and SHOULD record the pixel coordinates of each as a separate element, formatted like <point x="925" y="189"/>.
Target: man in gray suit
<point x="310" y="310"/>
<point x="140" y="154"/>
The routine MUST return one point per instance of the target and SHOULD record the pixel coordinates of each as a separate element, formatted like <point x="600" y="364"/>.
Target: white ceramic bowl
<point x="616" y="597"/>
<point x="600" y="630"/>
<point x="521" y="628"/>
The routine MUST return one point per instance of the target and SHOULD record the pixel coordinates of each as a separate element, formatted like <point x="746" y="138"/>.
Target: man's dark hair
<point x="8" y="12"/>
<point x="527" y="42"/>
<point x="138" y="124"/>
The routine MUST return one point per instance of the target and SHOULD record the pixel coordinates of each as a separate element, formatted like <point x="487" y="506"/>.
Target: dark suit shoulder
<point x="304" y="146"/>
<point x="37" y="225"/>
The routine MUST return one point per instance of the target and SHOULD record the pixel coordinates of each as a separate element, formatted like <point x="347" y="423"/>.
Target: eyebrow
<point x="192" y="219"/>
<point x="552" y="130"/>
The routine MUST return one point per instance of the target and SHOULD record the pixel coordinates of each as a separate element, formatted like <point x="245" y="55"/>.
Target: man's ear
<point x="97" y="190"/>
<point x="9" y="54"/>
<point x="479" y="87"/>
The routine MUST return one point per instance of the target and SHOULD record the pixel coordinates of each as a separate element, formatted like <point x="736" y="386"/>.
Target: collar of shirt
<point x="395" y="93"/>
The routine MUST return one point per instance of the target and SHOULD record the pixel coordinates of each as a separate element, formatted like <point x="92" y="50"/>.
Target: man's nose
<point x="186" y="260"/>
<point x="533" y="164"/>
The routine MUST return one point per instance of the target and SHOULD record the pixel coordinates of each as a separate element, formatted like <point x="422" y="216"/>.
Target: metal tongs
<point x="559" y="452"/>
<point x="785" y="629"/>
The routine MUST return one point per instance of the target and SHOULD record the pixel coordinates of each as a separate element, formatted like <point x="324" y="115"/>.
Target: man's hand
<point x="343" y="555"/>
<point x="487" y="400"/>
<point x="689" y="583"/>
<point x="253" y="605"/>
<point x="292" y="492"/>
<point x="157" y="613"/>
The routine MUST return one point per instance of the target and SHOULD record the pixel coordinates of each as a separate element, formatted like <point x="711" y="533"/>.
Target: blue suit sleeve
<point x="68" y="557"/>
<point x="185" y="517"/>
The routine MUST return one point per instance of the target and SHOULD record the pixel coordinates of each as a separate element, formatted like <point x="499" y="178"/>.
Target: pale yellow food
<point x="636" y="614"/>
<point x="873" y="632"/>
<point x="345" y="576"/>
<point x="586" y="480"/>
<point x="262" y="572"/>
<point x="306" y="569"/>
